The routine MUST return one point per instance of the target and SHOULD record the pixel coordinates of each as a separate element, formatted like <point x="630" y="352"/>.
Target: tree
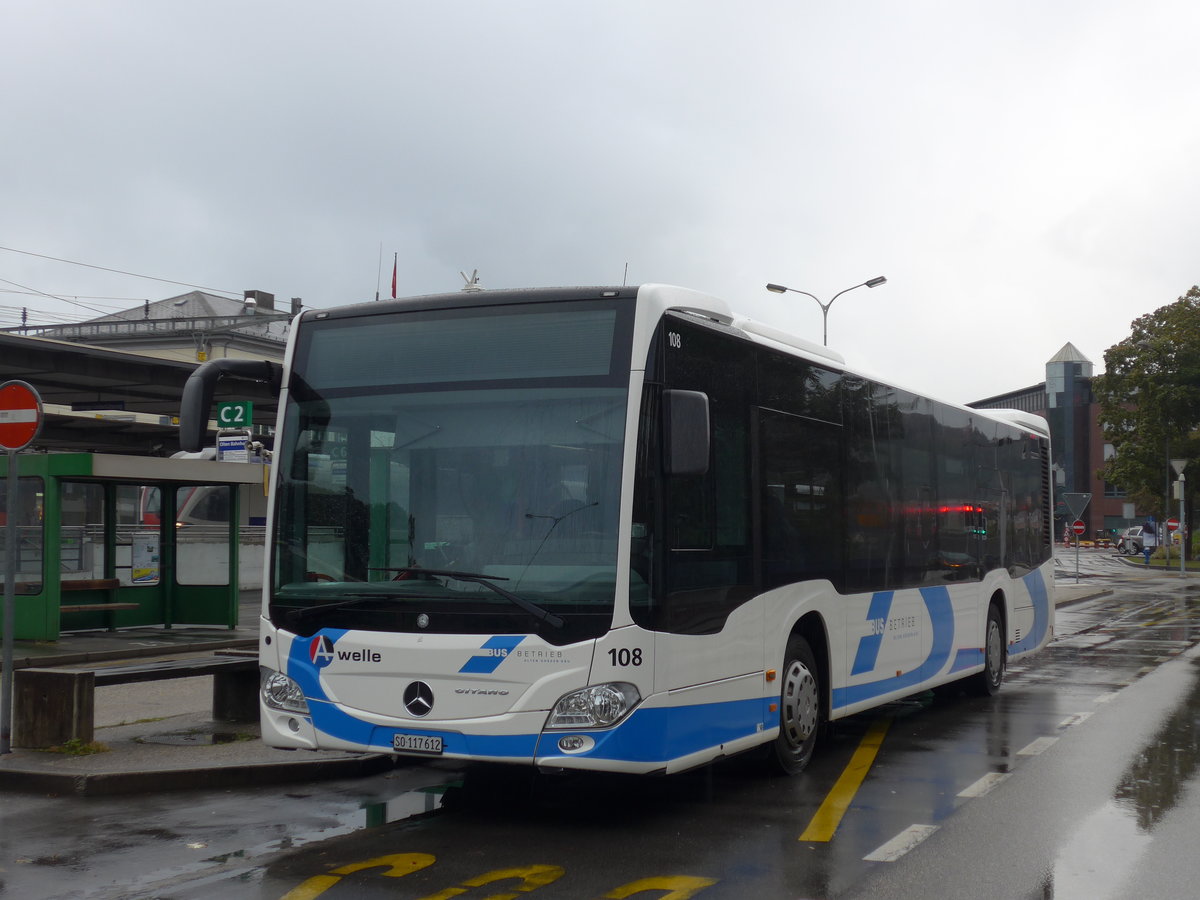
<point x="1149" y="398"/>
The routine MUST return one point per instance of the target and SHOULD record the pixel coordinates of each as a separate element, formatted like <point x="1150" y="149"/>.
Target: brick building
<point x="1067" y="401"/>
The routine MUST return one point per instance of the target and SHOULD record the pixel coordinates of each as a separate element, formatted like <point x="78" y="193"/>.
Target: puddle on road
<point x="344" y="818"/>
<point x="409" y="804"/>
<point x="197" y="736"/>
<point x="1155" y="781"/>
<point x="1107" y="844"/>
<point x="367" y="814"/>
<point x="373" y="813"/>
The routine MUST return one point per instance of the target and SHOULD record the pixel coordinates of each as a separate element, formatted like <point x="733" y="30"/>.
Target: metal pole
<point x="10" y="577"/>
<point x="1182" y="532"/>
<point x="1077" y="536"/>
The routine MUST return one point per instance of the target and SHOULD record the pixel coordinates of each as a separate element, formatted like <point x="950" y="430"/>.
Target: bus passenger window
<point x="801" y="503"/>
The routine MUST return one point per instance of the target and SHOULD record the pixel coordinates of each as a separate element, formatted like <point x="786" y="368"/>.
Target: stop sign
<point x="1172" y="524"/>
<point x="1078" y="527"/>
<point x="20" y="415"/>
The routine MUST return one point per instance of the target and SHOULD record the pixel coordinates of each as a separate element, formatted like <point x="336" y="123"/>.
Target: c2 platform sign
<point x="235" y="414"/>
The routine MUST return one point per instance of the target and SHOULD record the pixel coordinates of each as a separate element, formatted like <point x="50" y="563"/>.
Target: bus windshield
<point x="435" y="475"/>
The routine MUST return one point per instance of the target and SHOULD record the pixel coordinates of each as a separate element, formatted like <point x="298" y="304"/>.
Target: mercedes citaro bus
<point x="623" y="529"/>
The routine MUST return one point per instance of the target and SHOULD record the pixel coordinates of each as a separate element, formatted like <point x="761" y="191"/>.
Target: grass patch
<point x="77" y="747"/>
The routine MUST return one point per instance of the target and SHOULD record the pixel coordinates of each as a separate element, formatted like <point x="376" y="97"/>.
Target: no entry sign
<point x="20" y="415"/>
<point x="1078" y="527"/>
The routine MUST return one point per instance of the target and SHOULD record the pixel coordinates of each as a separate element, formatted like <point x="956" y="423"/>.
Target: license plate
<point x="417" y="743"/>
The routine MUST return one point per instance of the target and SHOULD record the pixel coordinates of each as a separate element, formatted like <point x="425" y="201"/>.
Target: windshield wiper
<point x="297" y="616"/>
<point x="488" y="581"/>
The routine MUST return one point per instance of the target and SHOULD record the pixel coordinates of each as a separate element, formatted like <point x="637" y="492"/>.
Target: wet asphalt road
<point x="1078" y="780"/>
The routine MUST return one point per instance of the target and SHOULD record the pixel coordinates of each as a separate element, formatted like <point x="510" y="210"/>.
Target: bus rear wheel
<point x="799" y="709"/>
<point x="987" y="683"/>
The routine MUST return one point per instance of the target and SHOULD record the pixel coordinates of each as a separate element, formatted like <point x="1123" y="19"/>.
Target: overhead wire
<point x="125" y="301"/>
<point x="74" y="300"/>
<point x="72" y="262"/>
<point x="16" y="311"/>
<point x="26" y="287"/>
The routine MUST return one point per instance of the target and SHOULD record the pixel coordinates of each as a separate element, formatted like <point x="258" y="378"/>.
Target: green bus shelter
<point x="108" y="541"/>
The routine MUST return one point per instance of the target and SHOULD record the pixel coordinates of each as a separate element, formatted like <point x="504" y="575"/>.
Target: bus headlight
<point x="598" y="706"/>
<point x="280" y="692"/>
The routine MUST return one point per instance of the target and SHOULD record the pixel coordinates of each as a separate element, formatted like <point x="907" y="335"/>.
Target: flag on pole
<point x="395" y="257"/>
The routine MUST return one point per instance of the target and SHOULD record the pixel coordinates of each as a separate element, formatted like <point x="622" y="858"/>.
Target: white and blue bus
<point x="623" y="529"/>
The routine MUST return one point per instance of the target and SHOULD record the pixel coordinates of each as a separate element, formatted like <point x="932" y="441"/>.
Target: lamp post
<point x="1179" y="465"/>
<point x="782" y="289"/>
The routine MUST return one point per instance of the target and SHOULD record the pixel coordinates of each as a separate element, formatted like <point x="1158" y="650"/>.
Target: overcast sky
<point x="1024" y="173"/>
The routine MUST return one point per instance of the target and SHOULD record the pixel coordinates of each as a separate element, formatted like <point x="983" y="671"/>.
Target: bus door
<point x="708" y="646"/>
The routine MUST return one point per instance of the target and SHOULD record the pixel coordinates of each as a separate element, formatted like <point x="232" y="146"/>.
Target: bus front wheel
<point x="799" y="709"/>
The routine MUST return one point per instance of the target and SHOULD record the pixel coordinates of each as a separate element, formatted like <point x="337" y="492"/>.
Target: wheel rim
<point x="800" y="704"/>
<point x="995" y="652"/>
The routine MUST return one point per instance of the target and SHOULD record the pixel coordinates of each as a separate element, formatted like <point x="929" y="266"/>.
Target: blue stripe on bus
<point x="500" y="645"/>
<point x="491" y="746"/>
<point x="303" y="669"/>
<point x="869" y="644"/>
<point x="966" y="658"/>
<point x="665" y="733"/>
<point x="648" y="735"/>
<point x="329" y="719"/>
<point x="941" y="617"/>
<point x="656" y="735"/>
<point x="1036" y="585"/>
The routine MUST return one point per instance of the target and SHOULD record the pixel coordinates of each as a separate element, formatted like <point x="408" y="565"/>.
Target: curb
<point x="1093" y="595"/>
<point x="98" y="784"/>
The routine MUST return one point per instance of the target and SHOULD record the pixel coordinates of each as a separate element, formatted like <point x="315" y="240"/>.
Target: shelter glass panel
<point x="202" y="522"/>
<point x="81" y="531"/>
<point x="30" y="538"/>
<point x="138" y="548"/>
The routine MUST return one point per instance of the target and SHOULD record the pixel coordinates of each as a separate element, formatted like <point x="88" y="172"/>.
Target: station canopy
<point x="109" y="401"/>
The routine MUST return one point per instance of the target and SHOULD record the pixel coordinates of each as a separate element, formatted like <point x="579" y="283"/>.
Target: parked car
<point x="1130" y="540"/>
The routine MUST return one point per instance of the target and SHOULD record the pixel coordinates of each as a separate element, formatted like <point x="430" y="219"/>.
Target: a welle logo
<point x="321" y="651"/>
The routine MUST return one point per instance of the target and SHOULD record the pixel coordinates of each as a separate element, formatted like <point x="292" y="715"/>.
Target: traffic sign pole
<point x="1176" y="525"/>
<point x="20" y="421"/>
<point x="1079" y="528"/>
<point x="1076" y="504"/>
<point x="10" y="572"/>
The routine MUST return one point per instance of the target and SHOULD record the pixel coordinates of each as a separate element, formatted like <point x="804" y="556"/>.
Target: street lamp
<point x="781" y="289"/>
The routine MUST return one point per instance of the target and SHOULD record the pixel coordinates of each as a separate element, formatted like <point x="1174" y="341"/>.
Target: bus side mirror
<point x="685" y="428"/>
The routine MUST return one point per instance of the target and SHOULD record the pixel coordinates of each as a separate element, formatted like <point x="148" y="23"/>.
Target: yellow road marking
<point x="829" y="816"/>
<point x="397" y="866"/>
<point x="681" y="887"/>
<point x="531" y="878"/>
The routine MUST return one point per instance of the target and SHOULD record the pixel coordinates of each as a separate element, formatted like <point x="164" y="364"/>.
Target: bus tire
<point x="987" y="683"/>
<point x="800" y="714"/>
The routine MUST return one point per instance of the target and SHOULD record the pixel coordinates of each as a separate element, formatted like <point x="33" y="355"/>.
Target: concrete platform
<point x="160" y="735"/>
<point x="183" y="751"/>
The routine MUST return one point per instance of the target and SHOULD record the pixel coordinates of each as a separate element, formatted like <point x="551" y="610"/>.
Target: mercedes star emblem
<point x="418" y="699"/>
